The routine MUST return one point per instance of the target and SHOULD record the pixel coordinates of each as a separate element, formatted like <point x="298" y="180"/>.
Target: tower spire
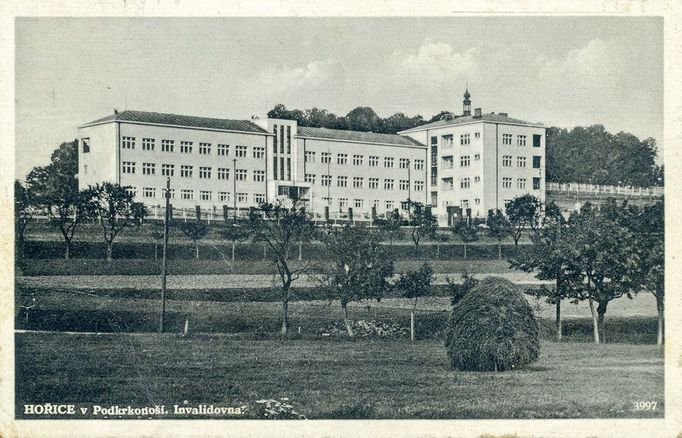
<point x="467" y="103"/>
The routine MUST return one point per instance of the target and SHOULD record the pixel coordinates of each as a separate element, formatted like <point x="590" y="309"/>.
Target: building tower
<point x="467" y="103"/>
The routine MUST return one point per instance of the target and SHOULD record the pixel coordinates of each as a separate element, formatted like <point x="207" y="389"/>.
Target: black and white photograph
<point x="307" y="218"/>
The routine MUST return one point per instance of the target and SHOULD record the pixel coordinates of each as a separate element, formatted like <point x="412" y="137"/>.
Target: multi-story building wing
<point x="480" y="161"/>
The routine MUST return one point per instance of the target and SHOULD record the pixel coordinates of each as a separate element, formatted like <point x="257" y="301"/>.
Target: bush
<point x="492" y="328"/>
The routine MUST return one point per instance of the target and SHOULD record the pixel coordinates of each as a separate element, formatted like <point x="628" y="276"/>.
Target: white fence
<point x="606" y="190"/>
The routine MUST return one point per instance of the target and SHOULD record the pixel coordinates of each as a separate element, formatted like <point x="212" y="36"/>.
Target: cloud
<point x="434" y="62"/>
<point x="279" y="79"/>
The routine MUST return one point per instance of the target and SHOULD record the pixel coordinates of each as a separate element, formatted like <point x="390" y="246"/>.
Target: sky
<point x="560" y="71"/>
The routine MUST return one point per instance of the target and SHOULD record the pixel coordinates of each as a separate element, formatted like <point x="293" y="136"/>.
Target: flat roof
<point x="462" y="120"/>
<point x="357" y="136"/>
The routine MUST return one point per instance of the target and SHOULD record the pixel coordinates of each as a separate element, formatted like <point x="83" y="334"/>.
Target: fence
<point x="606" y="190"/>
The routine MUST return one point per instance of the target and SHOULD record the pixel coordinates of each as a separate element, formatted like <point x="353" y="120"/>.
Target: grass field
<point x="335" y="378"/>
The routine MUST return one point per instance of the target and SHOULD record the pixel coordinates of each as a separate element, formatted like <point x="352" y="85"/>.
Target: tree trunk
<point x="412" y="325"/>
<point x="499" y="250"/>
<point x="300" y="251"/>
<point x="437" y="251"/>
<point x="601" y="312"/>
<point x="196" y="250"/>
<point x="558" y="319"/>
<point x="465" y="251"/>
<point x="156" y="251"/>
<point x="265" y="252"/>
<point x="595" y="328"/>
<point x="67" y="248"/>
<point x="659" y="306"/>
<point x="110" y="246"/>
<point x="285" y="316"/>
<point x="233" y="244"/>
<point x="346" y="320"/>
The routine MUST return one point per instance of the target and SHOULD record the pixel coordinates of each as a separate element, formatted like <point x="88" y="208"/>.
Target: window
<point x="506" y="160"/>
<point x="536" y="183"/>
<point x="259" y="175"/>
<point x="168" y="169"/>
<point x="205" y="195"/>
<point x="148" y="144"/>
<point x="224" y="196"/>
<point x="418" y="164"/>
<point x="477" y="179"/>
<point x="357" y="160"/>
<point x="464" y="203"/>
<point x="240" y="151"/>
<point x="404" y="163"/>
<point x="325" y="157"/>
<point x="477" y="157"/>
<point x="309" y="156"/>
<point x="171" y="193"/>
<point x="448" y="162"/>
<point x="477" y="135"/>
<point x="418" y="186"/>
<point x="186" y="147"/>
<point x="326" y="200"/>
<point x="223" y="173"/>
<point x="374" y="183"/>
<point x="506" y="183"/>
<point x="205" y="148"/>
<point x="448" y="141"/>
<point x="149" y="192"/>
<point x="375" y="204"/>
<point x="186" y="171"/>
<point x="128" y="167"/>
<point x="359" y="203"/>
<point x="373" y="161"/>
<point x="388" y="184"/>
<point x="342" y="159"/>
<point x="536" y="162"/>
<point x="537" y="140"/>
<point x="326" y="180"/>
<point x="448" y="184"/>
<point x="242" y="198"/>
<point x="521" y="183"/>
<point x="465" y="183"/>
<point x="404" y="184"/>
<point x="258" y="152"/>
<point x="205" y="172"/>
<point x="358" y="182"/>
<point x="520" y="140"/>
<point x="148" y="169"/>
<point x="259" y="198"/>
<point x="389" y="205"/>
<point x="167" y="145"/>
<point x="342" y="181"/>
<point x="85" y="169"/>
<point x="187" y="194"/>
<point x="520" y="161"/>
<point x="310" y="178"/>
<point x="465" y="139"/>
<point x="241" y="174"/>
<point x="506" y="139"/>
<point x="388" y="161"/>
<point x="223" y="150"/>
<point x="464" y="161"/>
<point x="404" y="205"/>
<point x="343" y="203"/>
<point x="132" y="191"/>
<point x="128" y="143"/>
<point x="86" y="145"/>
<point x="477" y="201"/>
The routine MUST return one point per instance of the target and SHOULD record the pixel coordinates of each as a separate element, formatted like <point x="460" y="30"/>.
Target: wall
<point x="100" y="163"/>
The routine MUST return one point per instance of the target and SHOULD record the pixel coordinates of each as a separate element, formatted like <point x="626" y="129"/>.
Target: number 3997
<point x="644" y="405"/>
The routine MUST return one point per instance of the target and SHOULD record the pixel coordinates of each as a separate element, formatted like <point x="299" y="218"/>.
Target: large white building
<point x="476" y="162"/>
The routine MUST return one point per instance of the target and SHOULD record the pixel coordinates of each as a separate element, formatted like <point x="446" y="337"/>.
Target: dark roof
<point x="459" y="120"/>
<point x="359" y="136"/>
<point x="179" y="120"/>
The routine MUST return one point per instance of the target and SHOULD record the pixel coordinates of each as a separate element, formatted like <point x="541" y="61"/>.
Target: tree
<point x="281" y="226"/>
<point x="467" y="232"/>
<point x="195" y="231"/>
<point x="422" y="223"/>
<point x="552" y="258"/>
<point x="390" y="228"/>
<point x="651" y="240"/>
<point x="24" y="207"/>
<point x="459" y="290"/>
<point x="499" y="228"/>
<point x="361" y="268"/>
<point x="363" y="118"/>
<point x="116" y="207"/>
<point x="415" y="284"/>
<point x="523" y="211"/>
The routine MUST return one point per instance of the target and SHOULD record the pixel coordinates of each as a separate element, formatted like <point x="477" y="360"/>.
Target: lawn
<point x="334" y="377"/>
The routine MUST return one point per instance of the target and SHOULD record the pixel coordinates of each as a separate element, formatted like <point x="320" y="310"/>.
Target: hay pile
<point x="492" y="329"/>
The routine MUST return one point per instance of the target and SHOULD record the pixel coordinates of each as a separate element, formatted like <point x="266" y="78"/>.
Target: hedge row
<point x="249" y="251"/>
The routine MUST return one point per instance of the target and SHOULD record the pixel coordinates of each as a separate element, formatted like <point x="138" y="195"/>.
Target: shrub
<point x="492" y="328"/>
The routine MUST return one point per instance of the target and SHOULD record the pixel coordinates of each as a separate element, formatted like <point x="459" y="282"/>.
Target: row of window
<point x="203" y="195"/>
<point x="520" y="183"/>
<point x="465" y="183"/>
<point x="447" y="141"/>
<point x="359" y="182"/>
<point x="360" y="203"/>
<point x="358" y="160"/>
<point x="205" y="172"/>
<point x="520" y="161"/>
<point x="186" y="147"/>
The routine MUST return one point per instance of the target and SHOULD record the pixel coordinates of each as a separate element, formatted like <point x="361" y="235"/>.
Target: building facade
<point x="467" y="162"/>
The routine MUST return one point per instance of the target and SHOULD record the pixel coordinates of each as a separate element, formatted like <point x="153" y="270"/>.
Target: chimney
<point x="477" y="113"/>
<point x="504" y="114"/>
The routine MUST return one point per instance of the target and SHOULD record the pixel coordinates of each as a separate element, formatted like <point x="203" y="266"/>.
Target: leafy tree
<point x="467" y="232"/>
<point x="195" y="231"/>
<point x="422" y="223"/>
<point x="523" y="211"/>
<point x="459" y="290"/>
<point x="415" y="284"/>
<point x="552" y="258"/>
<point x="24" y="207"/>
<point x="281" y="226"/>
<point x="651" y="240"/>
<point x="364" y="118"/>
<point x="499" y="228"/>
<point x="116" y="207"/>
<point x="361" y="268"/>
<point x="390" y="228"/>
